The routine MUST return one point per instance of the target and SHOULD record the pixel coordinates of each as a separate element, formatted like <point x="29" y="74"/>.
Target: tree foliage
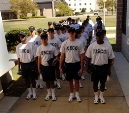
<point x="64" y="9"/>
<point x="23" y="7"/>
<point x="108" y="3"/>
<point x="83" y="10"/>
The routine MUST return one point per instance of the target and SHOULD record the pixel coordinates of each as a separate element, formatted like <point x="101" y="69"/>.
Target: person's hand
<point x="88" y="71"/>
<point x="80" y="72"/>
<point x="39" y="71"/>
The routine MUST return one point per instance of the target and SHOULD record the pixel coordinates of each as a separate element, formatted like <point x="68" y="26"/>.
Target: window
<point x="124" y="14"/>
<point x="74" y="4"/>
<point x="75" y="9"/>
<point x="90" y="4"/>
<point x="74" y="0"/>
<point x="84" y="3"/>
<point x="69" y="4"/>
<point x="80" y="9"/>
<point x="79" y="3"/>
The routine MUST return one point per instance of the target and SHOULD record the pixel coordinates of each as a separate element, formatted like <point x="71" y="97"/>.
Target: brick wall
<point x="119" y="25"/>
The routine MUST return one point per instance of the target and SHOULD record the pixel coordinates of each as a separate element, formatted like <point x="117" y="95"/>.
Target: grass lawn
<point x="42" y="22"/>
<point x="113" y="42"/>
<point x="111" y="31"/>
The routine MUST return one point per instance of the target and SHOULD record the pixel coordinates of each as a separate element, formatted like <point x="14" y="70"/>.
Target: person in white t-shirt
<point x="36" y="41"/>
<point x="26" y="53"/>
<point x="63" y="31"/>
<point x="72" y="52"/>
<point x="54" y="41"/>
<point x="46" y="52"/>
<point x="101" y="54"/>
<point x="39" y="31"/>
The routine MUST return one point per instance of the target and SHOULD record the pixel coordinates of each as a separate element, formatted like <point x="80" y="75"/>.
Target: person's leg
<point x="95" y="87"/>
<point x="77" y="90"/>
<point x="58" y="75"/>
<point x="49" y="94"/>
<point x="102" y="88"/>
<point x="53" y="90"/>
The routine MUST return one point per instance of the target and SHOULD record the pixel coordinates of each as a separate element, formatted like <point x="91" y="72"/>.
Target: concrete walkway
<point x="115" y="98"/>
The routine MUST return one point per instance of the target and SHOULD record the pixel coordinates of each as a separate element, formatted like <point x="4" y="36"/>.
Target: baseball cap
<point x="31" y="28"/>
<point x="39" y="30"/>
<point x="62" y="28"/>
<point x="22" y="33"/>
<point x="57" y="27"/>
<point x="45" y="30"/>
<point x="71" y="29"/>
<point x="49" y="23"/>
<point x="44" y="36"/>
<point x="50" y="30"/>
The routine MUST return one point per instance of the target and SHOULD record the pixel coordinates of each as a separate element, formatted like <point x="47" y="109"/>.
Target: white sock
<point x="49" y="92"/>
<point x="53" y="92"/>
<point x="63" y="75"/>
<point x="55" y="82"/>
<point x="40" y="82"/>
<point x="101" y="95"/>
<point x="58" y="82"/>
<point x="77" y="94"/>
<point x="96" y="95"/>
<point x="30" y="91"/>
<point x="34" y="91"/>
<point x="99" y="84"/>
<point x="37" y="82"/>
<point x="72" y="94"/>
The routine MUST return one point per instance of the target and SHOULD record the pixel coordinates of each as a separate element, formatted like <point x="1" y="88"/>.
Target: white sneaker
<point x="58" y="86"/>
<point x="63" y="77"/>
<point x="82" y="77"/>
<point x="105" y="88"/>
<point x="71" y="97"/>
<point x="54" y="98"/>
<point x="102" y="100"/>
<point x="34" y="96"/>
<point x="29" y="96"/>
<point x="78" y="98"/>
<point x="48" y="97"/>
<point x="80" y="85"/>
<point x="96" y="101"/>
<point x="41" y="86"/>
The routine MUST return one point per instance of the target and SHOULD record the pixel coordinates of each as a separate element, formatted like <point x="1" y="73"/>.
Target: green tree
<point x="83" y="10"/>
<point x="64" y="8"/>
<point x="23" y="7"/>
<point x="108" y="4"/>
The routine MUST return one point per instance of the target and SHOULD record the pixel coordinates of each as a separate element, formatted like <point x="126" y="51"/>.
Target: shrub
<point x="77" y="13"/>
<point x="33" y="17"/>
<point x="12" y="38"/>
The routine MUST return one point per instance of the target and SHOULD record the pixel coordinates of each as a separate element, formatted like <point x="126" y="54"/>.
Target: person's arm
<point x="62" y="57"/>
<point x="87" y="65"/>
<point x="19" y="64"/>
<point x="39" y="63"/>
<point x="81" y="63"/>
<point x="109" y="67"/>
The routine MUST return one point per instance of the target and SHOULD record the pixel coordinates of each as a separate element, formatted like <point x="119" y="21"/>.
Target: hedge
<point x="12" y="38"/>
<point x="33" y="17"/>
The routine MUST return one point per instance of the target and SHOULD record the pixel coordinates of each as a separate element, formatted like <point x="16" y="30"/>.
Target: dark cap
<point x="62" y="28"/>
<point x="69" y="18"/>
<point x="39" y="30"/>
<point x="45" y="30"/>
<point x="50" y="30"/>
<point x="49" y="23"/>
<point x="31" y="28"/>
<point x="99" y="33"/>
<point x="57" y="27"/>
<point x="44" y="36"/>
<point x="78" y="31"/>
<point x="22" y="33"/>
<point x="71" y="29"/>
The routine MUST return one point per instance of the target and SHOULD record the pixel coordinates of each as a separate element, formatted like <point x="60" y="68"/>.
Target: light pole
<point x="104" y="10"/>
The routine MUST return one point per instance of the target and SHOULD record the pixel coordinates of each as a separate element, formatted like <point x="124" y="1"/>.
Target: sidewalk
<point x="114" y="96"/>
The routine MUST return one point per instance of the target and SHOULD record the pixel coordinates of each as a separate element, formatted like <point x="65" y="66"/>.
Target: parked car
<point x="96" y="12"/>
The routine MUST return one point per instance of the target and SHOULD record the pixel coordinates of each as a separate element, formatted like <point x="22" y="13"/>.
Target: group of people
<point x="65" y="50"/>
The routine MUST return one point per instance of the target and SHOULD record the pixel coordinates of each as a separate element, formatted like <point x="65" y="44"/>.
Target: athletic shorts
<point x="48" y="73"/>
<point x="100" y="73"/>
<point x="72" y="71"/>
<point x="29" y="71"/>
<point x="57" y="65"/>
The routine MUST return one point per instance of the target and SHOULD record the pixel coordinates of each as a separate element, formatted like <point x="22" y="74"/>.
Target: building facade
<point x="122" y="28"/>
<point x="77" y="5"/>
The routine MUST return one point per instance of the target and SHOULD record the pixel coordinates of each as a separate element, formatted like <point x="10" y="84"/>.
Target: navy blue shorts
<point x="48" y="73"/>
<point x="100" y="73"/>
<point x="72" y="71"/>
<point x="29" y="71"/>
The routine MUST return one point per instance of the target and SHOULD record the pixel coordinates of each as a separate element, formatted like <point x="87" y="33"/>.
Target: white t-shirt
<point x="26" y="52"/>
<point x="36" y="40"/>
<point x="46" y="52"/>
<point x="100" y="53"/>
<point x="85" y="35"/>
<point x="61" y="36"/>
<point x="72" y="50"/>
<point x="55" y="42"/>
